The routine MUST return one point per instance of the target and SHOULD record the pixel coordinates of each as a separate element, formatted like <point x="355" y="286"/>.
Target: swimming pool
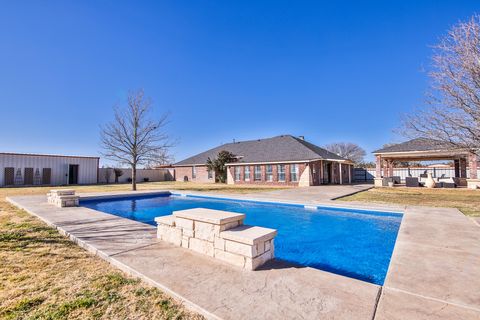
<point x="353" y="243"/>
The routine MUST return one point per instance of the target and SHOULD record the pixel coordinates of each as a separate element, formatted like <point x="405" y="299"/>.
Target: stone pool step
<point x="219" y="234"/>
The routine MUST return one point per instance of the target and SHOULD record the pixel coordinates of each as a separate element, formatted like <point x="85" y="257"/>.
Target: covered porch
<point x="465" y="173"/>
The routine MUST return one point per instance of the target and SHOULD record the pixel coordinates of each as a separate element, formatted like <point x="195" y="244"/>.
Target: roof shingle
<point x="280" y="148"/>
<point x="418" y="144"/>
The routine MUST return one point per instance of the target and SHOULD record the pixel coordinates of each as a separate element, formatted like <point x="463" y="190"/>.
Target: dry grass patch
<point x="168" y="185"/>
<point x="43" y="275"/>
<point x="467" y="201"/>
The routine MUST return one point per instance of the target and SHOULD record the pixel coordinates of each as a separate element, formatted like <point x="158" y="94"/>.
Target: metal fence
<point x="362" y="175"/>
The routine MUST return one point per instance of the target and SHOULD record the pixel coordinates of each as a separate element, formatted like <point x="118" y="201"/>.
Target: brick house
<point x="281" y="160"/>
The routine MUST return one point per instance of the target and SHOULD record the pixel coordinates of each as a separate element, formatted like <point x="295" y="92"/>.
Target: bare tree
<point x="347" y="150"/>
<point x="133" y="137"/>
<point x="452" y="112"/>
<point x="118" y="173"/>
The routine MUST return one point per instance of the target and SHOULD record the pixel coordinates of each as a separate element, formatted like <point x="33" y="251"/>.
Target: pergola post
<point x="385" y="168"/>
<point x="473" y="182"/>
<point x="473" y="166"/>
<point x="378" y="181"/>
<point x="390" y="168"/>
<point x="378" y="167"/>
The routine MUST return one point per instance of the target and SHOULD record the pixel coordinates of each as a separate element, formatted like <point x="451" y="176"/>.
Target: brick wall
<point x="201" y="174"/>
<point x="275" y="182"/>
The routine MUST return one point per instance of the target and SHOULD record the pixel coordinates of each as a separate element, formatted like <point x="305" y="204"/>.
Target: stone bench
<point x="63" y="198"/>
<point x="219" y="234"/>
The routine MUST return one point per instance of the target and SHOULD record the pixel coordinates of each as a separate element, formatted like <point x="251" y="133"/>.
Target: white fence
<point x="107" y="175"/>
<point x="361" y="174"/>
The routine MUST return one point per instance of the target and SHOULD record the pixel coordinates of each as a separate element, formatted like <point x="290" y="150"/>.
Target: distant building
<point x="19" y="169"/>
<point x="281" y="160"/>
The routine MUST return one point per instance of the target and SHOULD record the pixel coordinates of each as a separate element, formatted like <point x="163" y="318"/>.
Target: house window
<point x="237" y="173"/>
<point x="294" y="172"/>
<point x="209" y="173"/>
<point x="269" y="172"/>
<point x="194" y="172"/>
<point x="258" y="173"/>
<point x="247" y="173"/>
<point x="281" y="172"/>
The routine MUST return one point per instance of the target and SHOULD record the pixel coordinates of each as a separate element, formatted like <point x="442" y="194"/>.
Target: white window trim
<point x="296" y="172"/>
<point x="235" y="174"/>
<point x="255" y="173"/>
<point x="278" y="173"/>
<point x="269" y="175"/>
<point x="245" y="173"/>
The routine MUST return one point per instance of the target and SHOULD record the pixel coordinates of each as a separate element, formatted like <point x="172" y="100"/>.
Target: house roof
<point x="280" y="148"/>
<point x="419" y="144"/>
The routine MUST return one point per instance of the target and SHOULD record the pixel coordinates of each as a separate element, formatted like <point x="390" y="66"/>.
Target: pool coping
<point x="396" y="283"/>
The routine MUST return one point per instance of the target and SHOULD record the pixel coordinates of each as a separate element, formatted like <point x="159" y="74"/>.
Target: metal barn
<point x="17" y="169"/>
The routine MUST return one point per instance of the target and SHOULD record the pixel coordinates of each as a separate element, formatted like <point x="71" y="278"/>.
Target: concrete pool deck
<point x="434" y="272"/>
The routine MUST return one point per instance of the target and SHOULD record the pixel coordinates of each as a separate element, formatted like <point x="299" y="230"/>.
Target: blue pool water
<point x="353" y="243"/>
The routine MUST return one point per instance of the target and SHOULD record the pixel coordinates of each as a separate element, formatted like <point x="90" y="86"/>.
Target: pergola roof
<point x="419" y="144"/>
<point x="422" y="149"/>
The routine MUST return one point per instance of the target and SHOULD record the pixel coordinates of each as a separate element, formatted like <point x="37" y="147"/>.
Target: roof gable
<point x="280" y="148"/>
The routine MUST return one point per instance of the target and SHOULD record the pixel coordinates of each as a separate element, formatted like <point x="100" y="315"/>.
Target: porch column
<point x="340" y="172"/>
<point x="321" y="172"/>
<point x="473" y="166"/>
<point x="350" y="167"/>
<point x="378" y="167"/>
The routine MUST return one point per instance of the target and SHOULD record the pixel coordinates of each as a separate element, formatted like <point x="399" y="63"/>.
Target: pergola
<point x="428" y="150"/>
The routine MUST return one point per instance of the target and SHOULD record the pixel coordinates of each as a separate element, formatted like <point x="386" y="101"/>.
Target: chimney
<point x="233" y="140"/>
<point x="301" y="137"/>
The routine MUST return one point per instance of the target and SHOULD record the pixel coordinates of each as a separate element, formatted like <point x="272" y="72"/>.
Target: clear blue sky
<point x="331" y="71"/>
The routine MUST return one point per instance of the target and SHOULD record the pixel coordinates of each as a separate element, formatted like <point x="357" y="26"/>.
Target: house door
<point x="73" y="174"/>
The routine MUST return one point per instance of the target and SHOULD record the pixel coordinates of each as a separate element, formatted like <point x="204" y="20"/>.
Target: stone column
<point x="390" y="168"/>
<point x="473" y="166"/>
<point x="378" y="167"/>
<point x="378" y="181"/>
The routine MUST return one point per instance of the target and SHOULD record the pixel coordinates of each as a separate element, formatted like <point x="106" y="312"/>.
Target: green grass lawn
<point x="467" y="201"/>
<point x="43" y="275"/>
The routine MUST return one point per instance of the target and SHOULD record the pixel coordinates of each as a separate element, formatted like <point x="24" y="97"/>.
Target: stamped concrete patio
<point x="433" y="273"/>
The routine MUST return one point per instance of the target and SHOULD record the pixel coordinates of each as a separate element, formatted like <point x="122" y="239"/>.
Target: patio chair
<point x="411" y="182"/>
